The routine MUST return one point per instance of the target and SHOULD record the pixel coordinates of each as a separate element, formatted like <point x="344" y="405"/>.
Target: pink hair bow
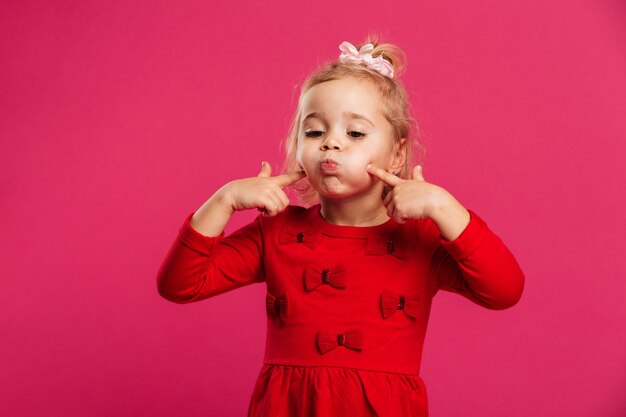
<point x="350" y="54"/>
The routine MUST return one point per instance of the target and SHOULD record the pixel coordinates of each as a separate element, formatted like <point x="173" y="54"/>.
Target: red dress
<point x="347" y="306"/>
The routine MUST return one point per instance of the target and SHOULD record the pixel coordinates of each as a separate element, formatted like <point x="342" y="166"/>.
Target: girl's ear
<point x="398" y="158"/>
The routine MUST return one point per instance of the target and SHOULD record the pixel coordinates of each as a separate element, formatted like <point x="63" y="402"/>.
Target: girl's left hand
<point x="408" y="199"/>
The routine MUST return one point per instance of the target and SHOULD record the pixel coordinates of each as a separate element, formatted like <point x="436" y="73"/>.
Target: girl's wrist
<point x="223" y="197"/>
<point x="449" y="215"/>
<point x="439" y="203"/>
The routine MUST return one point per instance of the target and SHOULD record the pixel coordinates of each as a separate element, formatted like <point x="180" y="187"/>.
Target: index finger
<point x="288" y="178"/>
<point x="383" y="175"/>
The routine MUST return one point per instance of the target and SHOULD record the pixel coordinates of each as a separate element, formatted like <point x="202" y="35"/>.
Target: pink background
<point x="117" y="119"/>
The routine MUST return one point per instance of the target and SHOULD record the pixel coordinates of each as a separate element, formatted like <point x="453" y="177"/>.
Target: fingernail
<point x="369" y="166"/>
<point x="263" y="164"/>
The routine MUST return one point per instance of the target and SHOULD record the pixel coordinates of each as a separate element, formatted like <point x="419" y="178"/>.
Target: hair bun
<point x="390" y="52"/>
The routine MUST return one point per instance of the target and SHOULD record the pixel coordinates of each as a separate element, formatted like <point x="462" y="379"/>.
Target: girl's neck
<point x="361" y="212"/>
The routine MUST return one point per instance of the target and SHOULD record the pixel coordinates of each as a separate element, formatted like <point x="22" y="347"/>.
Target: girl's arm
<point x="477" y="264"/>
<point x="468" y="258"/>
<point x="212" y="217"/>
<point x="197" y="267"/>
<point x="202" y="262"/>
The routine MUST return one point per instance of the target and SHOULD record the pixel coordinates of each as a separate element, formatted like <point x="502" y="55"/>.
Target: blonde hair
<point x="395" y="107"/>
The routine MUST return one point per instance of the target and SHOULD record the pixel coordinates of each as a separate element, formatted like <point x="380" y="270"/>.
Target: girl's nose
<point x="330" y="143"/>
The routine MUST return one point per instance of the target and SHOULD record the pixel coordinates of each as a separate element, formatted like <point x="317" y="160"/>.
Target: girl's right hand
<point x="262" y="192"/>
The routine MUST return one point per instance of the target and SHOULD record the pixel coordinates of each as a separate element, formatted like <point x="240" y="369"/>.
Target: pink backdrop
<point x="118" y="119"/>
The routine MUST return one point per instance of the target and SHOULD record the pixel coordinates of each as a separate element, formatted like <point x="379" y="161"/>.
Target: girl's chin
<point x="338" y="194"/>
<point x="334" y="187"/>
<point x="330" y="191"/>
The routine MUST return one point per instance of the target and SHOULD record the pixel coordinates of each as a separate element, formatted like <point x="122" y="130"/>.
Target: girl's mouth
<point x="329" y="165"/>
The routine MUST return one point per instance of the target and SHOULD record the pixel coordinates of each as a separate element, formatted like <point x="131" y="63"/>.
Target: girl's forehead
<point x="343" y="97"/>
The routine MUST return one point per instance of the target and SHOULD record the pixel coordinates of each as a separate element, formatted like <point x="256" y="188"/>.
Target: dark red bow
<point x="387" y="244"/>
<point x="390" y="302"/>
<point x="328" y="340"/>
<point x="277" y="306"/>
<point x="294" y="234"/>
<point x="314" y="276"/>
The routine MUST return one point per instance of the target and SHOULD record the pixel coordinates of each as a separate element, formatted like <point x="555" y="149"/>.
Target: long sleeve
<point x="197" y="267"/>
<point x="479" y="266"/>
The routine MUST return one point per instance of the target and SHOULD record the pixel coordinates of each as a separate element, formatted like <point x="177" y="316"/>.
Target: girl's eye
<point x="317" y="133"/>
<point x="360" y="135"/>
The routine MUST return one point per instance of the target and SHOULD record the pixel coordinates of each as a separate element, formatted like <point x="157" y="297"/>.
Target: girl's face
<point x="342" y="130"/>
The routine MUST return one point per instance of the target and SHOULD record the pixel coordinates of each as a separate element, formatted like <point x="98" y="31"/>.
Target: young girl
<point x="350" y="278"/>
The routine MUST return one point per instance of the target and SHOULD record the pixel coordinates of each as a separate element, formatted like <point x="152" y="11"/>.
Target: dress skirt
<point x="315" y="391"/>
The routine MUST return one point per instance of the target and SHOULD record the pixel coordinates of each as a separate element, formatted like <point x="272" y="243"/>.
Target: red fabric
<point x="342" y="336"/>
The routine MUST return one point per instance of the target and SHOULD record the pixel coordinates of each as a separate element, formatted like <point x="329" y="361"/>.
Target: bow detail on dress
<point x="328" y="340"/>
<point x="314" y="276"/>
<point x="387" y="244"/>
<point x="303" y="235"/>
<point x="277" y="306"/>
<point x="390" y="302"/>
